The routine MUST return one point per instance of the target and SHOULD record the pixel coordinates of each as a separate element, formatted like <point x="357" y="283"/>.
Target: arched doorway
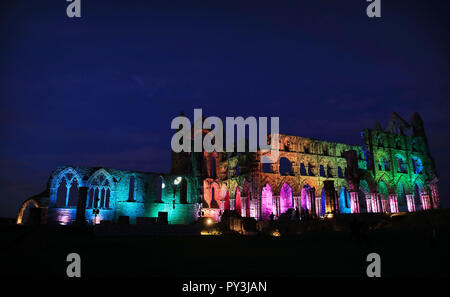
<point x="25" y="212"/>
<point x="286" y="201"/>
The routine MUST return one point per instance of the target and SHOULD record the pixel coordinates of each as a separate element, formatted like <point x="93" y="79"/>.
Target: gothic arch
<point x="24" y="206"/>
<point x="70" y="175"/>
<point x="368" y="177"/>
<point x="63" y="174"/>
<point x="383" y="178"/>
<point x="107" y="175"/>
<point x="406" y="184"/>
<point x="103" y="189"/>
<point x="287" y="180"/>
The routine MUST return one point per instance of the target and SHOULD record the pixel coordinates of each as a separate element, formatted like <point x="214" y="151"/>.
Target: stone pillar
<point x="318" y="207"/>
<point x="410" y="202"/>
<point x="101" y="200"/>
<point x="309" y="203"/>
<point x="67" y="194"/>
<point x="276" y="205"/>
<point x="368" y="203"/>
<point x="208" y="166"/>
<point x="425" y="198"/>
<point x="375" y="202"/>
<point x="232" y="204"/>
<point x="81" y="205"/>
<point x="336" y="202"/>
<point x="330" y="196"/>
<point x="384" y="205"/>
<point x="393" y="203"/>
<point x="297" y="203"/>
<point x="295" y="169"/>
<point x="354" y="203"/>
<point x="435" y="196"/>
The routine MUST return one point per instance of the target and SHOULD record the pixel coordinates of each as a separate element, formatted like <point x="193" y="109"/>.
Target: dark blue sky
<point x="102" y="90"/>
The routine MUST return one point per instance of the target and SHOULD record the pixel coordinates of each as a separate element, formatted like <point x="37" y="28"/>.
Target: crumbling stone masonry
<point x="391" y="171"/>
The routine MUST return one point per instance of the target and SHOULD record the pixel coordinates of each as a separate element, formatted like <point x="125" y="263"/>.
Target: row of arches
<point x="308" y="200"/>
<point x="101" y="192"/>
<point x="384" y="163"/>
<point x="66" y="189"/>
<point x="308" y="169"/>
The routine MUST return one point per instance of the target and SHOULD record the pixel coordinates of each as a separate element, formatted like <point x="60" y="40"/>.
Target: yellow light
<point x="211" y="232"/>
<point x="209" y="221"/>
<point x="177" y="180"/>
<point x="276" y="233"/>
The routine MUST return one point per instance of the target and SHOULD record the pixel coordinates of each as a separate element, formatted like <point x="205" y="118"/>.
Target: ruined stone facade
<point x="391" y="171"/>
<point x="91" y="195"/>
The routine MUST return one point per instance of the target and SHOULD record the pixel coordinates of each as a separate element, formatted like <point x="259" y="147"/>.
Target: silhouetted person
<point x="272" y="216"/>
<point x="297" y="213"/>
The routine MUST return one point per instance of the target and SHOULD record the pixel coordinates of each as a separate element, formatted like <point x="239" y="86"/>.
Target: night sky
<point x="102" y="90"/>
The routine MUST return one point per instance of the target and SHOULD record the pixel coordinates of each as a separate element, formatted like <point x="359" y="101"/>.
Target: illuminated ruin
<point x="392" y="171"/>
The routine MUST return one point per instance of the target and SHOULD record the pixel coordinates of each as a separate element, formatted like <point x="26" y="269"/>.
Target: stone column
<point x="67" y="194"/>
<point x="208" y="166"/>
<point x="101" y="200"/>
<point x="297" y="202"/>
<point x="354" y="203"/>
<point x="375" y="202"/>
<point x="81" y="205"/>
<point x="410" y="202"/>
<point x="295" y="169"/>
<point x="393" y="203"/>
<point x="276" y="205"/>
<point x="336" y="202"/>
<point x="425" y="201"/>
<point x="435" y="196"/>
<point x="232" y="204"/>
<point x="368" y="203"/>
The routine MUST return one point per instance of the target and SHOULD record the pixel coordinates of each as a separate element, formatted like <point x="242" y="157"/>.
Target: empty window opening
<point x="131" y="189"/>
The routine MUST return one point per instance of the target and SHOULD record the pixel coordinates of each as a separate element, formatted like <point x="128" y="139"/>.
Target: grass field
<point x="406" y="249"/>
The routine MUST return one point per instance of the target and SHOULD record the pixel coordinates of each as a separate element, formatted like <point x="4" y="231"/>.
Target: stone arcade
<point x="392" y="171"/>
